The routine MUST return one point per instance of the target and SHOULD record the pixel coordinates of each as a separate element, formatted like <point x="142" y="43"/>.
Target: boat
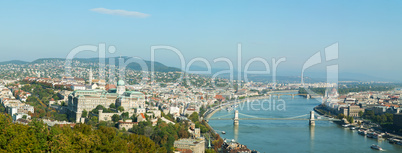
<point x="352" y="128"/>
<point x="376" y="147"/>
<point x="370" y="135"/>
<point x="361" y="132"/>
<point x="345" y="125"/>
<point x="393" y="141"/>
<point x="223" y="132"/>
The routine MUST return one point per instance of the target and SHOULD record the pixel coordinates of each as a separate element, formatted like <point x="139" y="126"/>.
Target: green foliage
<point x="350" y="119"/>
<point x="209" y="151"/>
<point x="100" y="107"/>
<point x="115" y="118"/>
<point x="361" y="113"/>
<point x="386" y="118"/>
<point x="202" y="110"/>
<point x="112" y="105"/>
<point x="194" y="117"/>
<point x="341" y="116"/>
<point x="37" y="137"/>
<point x="125" y="115"/>
<point x="120" y="108"/>
<point x="162" y="134"/>
<point x="84" y="113"/>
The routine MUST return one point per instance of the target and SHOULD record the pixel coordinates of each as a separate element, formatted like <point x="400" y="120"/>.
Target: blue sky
<point x="368" y="32"/>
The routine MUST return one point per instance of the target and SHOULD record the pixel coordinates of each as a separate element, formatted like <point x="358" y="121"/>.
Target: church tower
<point x="121" y="87"/>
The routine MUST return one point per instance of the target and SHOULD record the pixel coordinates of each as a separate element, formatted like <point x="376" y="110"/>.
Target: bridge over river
<point x="310" y="117"/>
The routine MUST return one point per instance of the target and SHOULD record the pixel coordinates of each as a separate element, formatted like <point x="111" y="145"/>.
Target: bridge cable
<point x="248" y="115"/>
<point x="299" y="116"/>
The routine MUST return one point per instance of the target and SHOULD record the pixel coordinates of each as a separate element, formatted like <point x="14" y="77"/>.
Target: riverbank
<point x="374" y="129"/>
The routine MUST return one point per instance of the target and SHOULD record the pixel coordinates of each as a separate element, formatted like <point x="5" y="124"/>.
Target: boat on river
<point x="375" y="147"/>
<point x="361" y="132"/>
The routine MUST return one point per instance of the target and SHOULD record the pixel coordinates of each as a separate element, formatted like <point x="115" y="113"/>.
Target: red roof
<point x="219" y="97"/>
<point x="110" y="86"/>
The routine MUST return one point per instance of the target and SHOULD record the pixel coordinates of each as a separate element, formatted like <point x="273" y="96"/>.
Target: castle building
<point x="131" y="100"/>
<point x="81" y="100"/>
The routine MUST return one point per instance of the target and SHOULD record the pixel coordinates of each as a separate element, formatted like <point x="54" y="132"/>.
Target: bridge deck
<point x="273" y="119"/>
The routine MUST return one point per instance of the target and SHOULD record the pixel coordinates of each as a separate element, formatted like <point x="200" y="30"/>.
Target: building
<point x="106" y="116"/>
<point x="16" y="106"/>
<point x="17" y="116"/>
<point x="128" y="124"/>
<point x="141" y="117"/>
<point x="354" y="111"/>
<point x="121" y="88"/>
<point x="235" y="147"/>
<point x="343" y="110"/>
<point x="80" y="100"/>
<point x="131" y="100"/>
<point x="195" y="145"/>
<point x="378" y="110"/>
<point x="78" y="87"/>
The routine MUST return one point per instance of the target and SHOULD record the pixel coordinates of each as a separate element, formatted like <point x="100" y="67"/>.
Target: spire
<point x="209" y="142"/>
<point x="90" y="76"/>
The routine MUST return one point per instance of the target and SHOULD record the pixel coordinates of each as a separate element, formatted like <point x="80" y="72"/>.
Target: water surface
<point x="293" y="135"/>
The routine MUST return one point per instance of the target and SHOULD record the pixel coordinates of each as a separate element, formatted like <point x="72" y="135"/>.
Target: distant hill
<point x="18" y="62"/>
<point x="134" y="66"/>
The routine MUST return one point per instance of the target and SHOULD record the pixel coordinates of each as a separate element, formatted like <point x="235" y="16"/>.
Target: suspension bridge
<point x="310" y="117"/>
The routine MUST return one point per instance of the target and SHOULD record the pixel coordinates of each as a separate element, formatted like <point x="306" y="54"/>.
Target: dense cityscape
<point x="163" y="113"/>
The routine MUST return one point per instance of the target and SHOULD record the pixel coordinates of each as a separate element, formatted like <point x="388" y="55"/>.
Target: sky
<point x="368" y="32"/>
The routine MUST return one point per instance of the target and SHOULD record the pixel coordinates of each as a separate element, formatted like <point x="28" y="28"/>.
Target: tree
<point x="350" y="119"/>
<point x="112" y="105"/>
<point x="115" y="118"/>
<point x="84" y="113"/>
<point x="341" y="116"/>
<point x="361" y="114"/>
<point x="194" y="117"/>
<point x="24" y="116"/>
<point x="120" y="108"/>
<point x="124" y="115"/>
<point x="209" y="151"/>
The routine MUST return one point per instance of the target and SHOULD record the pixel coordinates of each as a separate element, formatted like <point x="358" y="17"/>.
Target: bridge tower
<point x="236" y="118"/>
<point x="312" y="120"/>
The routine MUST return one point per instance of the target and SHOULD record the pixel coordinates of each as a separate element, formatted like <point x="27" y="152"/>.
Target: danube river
<point x="292" y="135"/>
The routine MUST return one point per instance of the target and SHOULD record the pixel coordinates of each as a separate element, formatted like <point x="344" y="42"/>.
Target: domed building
<point x="121" y="87"/>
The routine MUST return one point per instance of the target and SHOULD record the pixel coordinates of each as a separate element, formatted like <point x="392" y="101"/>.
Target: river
<point x="291" y="135"/>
